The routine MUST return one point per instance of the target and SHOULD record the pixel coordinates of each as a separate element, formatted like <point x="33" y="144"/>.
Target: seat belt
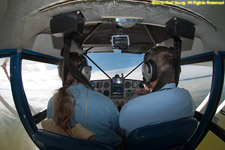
<point x="86" y="109"/>
<point x="176" y="55"/>
<point x="69" y="67"/>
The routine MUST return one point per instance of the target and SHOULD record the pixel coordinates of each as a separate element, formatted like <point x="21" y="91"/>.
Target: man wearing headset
<point x="165" y="103"/>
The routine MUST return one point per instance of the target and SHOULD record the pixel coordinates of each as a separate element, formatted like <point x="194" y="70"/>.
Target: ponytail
<point x="64" y="107"/>
<point x="63" y="110"/>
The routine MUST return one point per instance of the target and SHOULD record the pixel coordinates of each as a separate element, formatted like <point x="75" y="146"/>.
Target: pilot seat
<point x="164" y="136"/>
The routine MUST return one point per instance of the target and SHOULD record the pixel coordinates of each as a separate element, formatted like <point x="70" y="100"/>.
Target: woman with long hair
<point x="74" y="103"/>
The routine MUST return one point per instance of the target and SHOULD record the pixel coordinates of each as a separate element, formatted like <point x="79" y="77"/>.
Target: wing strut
<point x="97" y="66"/>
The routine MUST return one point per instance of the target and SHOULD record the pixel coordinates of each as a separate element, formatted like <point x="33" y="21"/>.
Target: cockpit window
<point x="115" y="63"/>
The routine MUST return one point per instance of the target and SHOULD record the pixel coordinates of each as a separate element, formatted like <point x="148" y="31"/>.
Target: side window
<point x="197" y="78"/>
<point x="10" y="123"/>
<point x="210" y="139"/>
<point x="7" y="106"/>
<point x="40" y="81"/>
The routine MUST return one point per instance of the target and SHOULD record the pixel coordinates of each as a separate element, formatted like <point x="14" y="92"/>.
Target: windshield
<point x="115" y="63"/>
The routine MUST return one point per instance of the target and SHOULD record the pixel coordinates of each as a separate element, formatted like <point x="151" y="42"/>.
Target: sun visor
<point x="185" y="30"/>
<point x="187" y="44"/>
<point x="177" y="27"/>
<point x="67" y="23"/>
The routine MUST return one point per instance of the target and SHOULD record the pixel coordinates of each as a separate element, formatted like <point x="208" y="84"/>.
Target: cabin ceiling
<point x="99" y="34"/>
<point x="25" y="24"/>
<point x="137" y="34"/>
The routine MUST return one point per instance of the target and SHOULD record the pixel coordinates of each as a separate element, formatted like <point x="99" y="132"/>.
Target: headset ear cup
<point x="149" y="71"/>
<point x="86" y="71"/>
<point x="146" y="72"/>
<point x="84" y="68"/>
<point x="154" y="70"/>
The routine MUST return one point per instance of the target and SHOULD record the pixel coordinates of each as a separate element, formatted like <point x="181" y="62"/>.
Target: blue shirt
<point x="167" y="104"/>
<point x="102" y="115"/>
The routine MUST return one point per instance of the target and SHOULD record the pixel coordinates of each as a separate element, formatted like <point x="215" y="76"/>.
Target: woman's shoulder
<point x="51" y="100"/>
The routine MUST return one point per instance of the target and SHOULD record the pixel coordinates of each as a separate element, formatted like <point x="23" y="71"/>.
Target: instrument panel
<point x="118" y="89"/>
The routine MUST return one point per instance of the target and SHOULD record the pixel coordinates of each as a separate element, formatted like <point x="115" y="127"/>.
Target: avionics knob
<point x="106" y="93"/>
<point x="141" y="85"/>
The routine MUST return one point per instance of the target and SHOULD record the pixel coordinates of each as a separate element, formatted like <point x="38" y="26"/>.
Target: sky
<point x="115" y="63"/>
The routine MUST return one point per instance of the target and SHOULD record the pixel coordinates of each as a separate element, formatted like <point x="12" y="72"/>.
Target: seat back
<point x="162" y="136"/>
<point x="78" y="131"/>
<point x="51" y="141"/>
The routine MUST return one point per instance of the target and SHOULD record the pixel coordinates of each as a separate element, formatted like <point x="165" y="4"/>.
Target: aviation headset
<point x="83" y="66"/>
<point x="149" y="68"/>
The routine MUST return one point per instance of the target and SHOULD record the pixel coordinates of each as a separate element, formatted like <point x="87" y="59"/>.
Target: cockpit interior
<point x="119" y="89"/>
